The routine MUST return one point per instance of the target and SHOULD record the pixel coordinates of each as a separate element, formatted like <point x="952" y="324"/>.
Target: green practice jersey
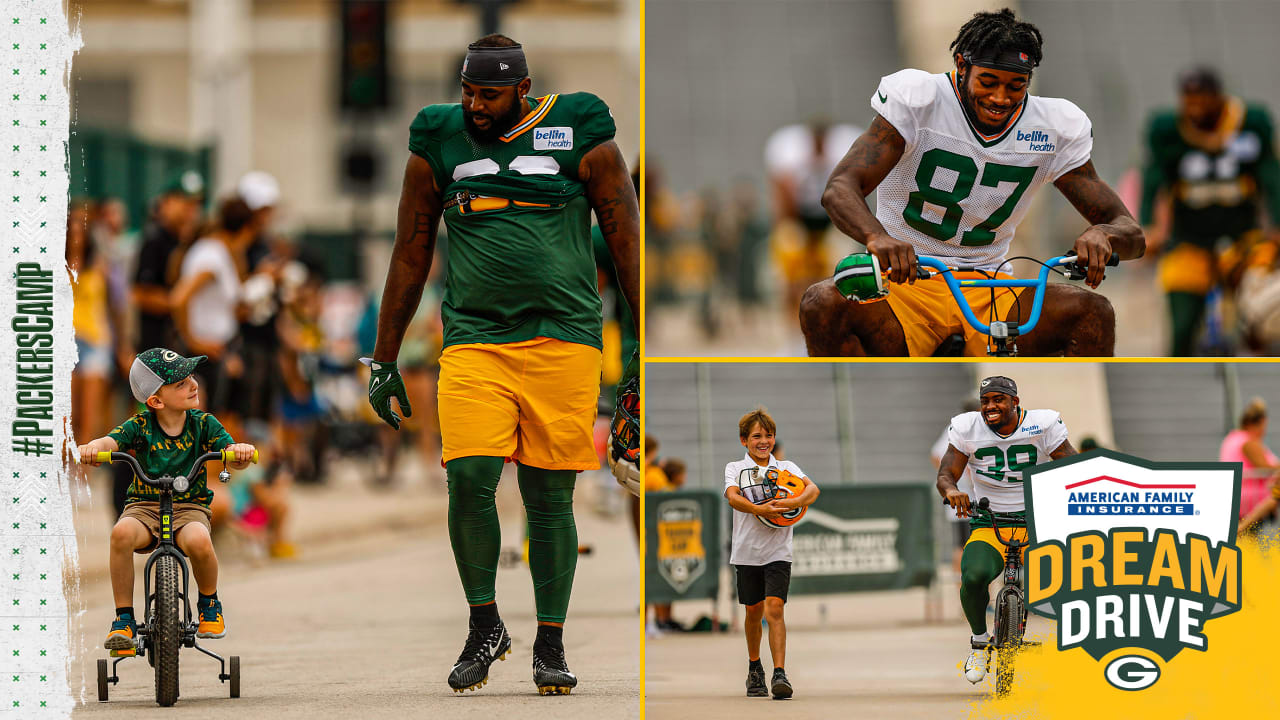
<point x="519" y="255"/>
<point x="1215" y="181"/>
<point x="162" y="454"/>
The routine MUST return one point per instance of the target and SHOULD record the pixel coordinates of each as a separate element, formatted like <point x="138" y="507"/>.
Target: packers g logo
<point x="1132" y="558"/>
<point x="169" y="355"/>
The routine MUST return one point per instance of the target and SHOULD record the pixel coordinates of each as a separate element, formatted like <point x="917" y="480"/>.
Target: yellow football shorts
<point x="988" y="536"/>
<point x="929" y="314"/>
<point x="532" y="401"/>
<point x="1189" y="269"/>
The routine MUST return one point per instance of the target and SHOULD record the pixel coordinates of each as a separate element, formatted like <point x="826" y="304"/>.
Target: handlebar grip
<point x="1113" y="261"/>
<point x="104" y="456"/>
<point x="230" y="456"/>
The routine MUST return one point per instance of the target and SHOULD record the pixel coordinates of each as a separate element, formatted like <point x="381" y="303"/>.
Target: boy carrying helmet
<point x="761" y="551"/>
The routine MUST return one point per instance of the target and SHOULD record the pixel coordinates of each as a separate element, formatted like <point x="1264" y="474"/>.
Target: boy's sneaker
<point x="120" y="639"/>
<point x="781" y="685"/>
<point x="211" y="623"/>
<point x="550" y="671"/>
<point x="483" y="647"/>
<point x="755" y="683"/>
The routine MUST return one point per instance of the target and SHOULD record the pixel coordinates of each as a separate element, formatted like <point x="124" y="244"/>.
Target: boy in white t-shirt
<point x="761" y="555"/>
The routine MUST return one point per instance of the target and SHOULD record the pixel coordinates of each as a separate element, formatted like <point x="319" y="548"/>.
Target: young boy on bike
<point x="166" y="438"/>
<point x="761" y="555"/>
<point x="995" y="444"/>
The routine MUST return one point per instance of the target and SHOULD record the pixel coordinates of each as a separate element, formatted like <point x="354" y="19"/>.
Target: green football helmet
<point x="858" y="277"/>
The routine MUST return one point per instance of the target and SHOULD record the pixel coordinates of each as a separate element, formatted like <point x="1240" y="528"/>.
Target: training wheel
<point x="235" y="676"/>
<point x="102" y="680"/>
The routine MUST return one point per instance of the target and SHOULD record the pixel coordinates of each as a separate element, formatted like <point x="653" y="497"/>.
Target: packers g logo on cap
<point x="1132" y="557"/>
<point x="169" y="355"/>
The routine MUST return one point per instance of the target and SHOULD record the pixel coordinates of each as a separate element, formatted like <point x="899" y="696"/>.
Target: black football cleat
<point x="484" y="646"/>
<point x="550" y="671"/>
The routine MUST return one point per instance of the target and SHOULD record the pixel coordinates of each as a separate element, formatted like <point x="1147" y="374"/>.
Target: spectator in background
<point x="301" y="345"/>
<point x="94" y="328"/>
<point x="1212" y="161"/>
<point x="205" y="303"/>
<point x="799" y="159"/>
<point x="1261" y="467"/>
<point x="258" y="501"/>
<point x="262" y="261"/>
<point x="106" y="225"/>
<point x="172" y="227"/>
<point x="676" y="472"/>
<point x="655" y="480"/>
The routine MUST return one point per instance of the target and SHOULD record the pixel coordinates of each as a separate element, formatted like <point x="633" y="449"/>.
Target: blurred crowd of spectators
<point x="217" y="279"/>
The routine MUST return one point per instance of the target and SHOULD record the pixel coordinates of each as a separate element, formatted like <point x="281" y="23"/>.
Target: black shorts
<point x="756" y="582"/>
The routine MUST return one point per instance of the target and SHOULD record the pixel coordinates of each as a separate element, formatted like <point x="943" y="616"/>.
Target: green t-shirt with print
<point x="162" y="454"/>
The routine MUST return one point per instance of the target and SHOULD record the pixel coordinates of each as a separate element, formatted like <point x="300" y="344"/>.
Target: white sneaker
<point x="975" y="666"/>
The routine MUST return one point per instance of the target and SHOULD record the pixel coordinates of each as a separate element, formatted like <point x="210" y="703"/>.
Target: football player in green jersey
<point x="516" y="179"/>
<point x="1213" y="160"/>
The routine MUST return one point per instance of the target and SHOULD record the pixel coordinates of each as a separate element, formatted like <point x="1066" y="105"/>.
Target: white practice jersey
<point x="957" y="194"/>
<point x="996" y="462"/>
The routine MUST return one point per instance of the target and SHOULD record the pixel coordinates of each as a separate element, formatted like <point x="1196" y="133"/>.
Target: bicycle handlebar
<point x="984" y="508"/>
<point x="1074" y="271"/>
<point x="224" y="455"/>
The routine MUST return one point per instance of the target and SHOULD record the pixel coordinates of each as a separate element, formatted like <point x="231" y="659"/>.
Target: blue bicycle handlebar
<point x="1039" y="283"/>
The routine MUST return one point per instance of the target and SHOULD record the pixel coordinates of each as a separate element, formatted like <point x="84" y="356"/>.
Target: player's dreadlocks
<point x="993" y="33"/>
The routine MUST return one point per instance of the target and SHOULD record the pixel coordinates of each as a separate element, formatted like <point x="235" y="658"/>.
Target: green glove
<point x="385" y="383"/>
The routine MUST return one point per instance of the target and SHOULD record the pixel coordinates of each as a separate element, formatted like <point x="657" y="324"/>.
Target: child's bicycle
<point x="1002" y="335"/>
<point x="858" y="277"/>
<point x="1010" y="604"/>
<point x="168" y="624"/>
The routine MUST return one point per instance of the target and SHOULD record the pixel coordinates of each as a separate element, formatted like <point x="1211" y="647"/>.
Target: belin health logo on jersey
<point x="553" y="138"/>
<point x="1132" y="558"/>
<point x="1035" y="140"/>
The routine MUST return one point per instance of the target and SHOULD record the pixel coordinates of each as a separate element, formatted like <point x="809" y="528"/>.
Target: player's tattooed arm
<point x="861" y="170"/>
<point x="612" y="195"/>
<point x="1112" y="229"/>
<point x="1064" y="450"/>
<point x="949" y="472"/>
<point x="417" y="226"/>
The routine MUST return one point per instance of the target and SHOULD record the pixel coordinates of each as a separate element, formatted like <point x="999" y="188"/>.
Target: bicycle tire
<point x="235" y="676"/>
<point x="168" y="635"/>
<point x="1011" y="630"/>
<point x="102" y="680"/>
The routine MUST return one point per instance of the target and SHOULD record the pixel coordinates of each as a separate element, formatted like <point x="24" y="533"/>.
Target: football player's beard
<point x="497" y="124"/>
<point x="970" y="110"/>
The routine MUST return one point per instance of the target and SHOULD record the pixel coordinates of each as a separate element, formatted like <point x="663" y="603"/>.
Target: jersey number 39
<point x="966" y="173"/>
<point x="1017" y="458"/>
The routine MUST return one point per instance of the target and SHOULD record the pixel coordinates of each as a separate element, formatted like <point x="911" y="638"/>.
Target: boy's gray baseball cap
<point x="157" y="367"/>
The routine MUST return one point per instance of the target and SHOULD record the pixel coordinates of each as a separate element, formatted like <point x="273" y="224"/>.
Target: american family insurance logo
<point x="1132" y="557"/>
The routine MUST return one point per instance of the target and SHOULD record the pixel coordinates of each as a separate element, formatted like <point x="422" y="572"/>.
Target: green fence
<point x="683" y="538"/>
<point x="105" y="163"/>
<point x="865" y="538"/>
<point x="853" y="539"/>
